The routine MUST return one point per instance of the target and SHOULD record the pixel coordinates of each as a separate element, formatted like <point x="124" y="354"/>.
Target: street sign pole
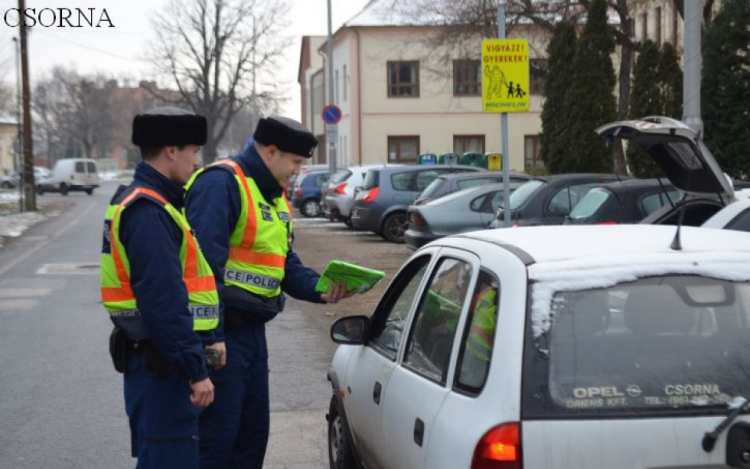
<point x="504" y="126"/>
<point x="332" y="133"/>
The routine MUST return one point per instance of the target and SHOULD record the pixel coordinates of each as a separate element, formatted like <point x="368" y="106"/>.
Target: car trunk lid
<point x="677" y="150"/>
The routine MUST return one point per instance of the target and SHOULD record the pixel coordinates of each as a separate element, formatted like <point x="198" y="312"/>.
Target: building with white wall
<point x="8" y="135"/>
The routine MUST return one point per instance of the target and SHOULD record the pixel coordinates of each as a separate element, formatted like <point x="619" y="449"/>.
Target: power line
<point x="109" y="54"/>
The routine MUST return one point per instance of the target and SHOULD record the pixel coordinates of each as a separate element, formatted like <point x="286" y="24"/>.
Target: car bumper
<point x="364" y="218"/>
<point x="416" y="239"/>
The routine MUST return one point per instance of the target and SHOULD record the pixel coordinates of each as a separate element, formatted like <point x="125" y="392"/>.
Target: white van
<point x="73" y="174"/>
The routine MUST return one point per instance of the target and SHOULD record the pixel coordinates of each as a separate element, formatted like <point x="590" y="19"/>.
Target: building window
<point x="403" y="79"/>
<point x="675" y="13"/>
<point x="344" y="82"/>
<point x="644" y="26"/>
<point x="467" y="78"/>
<point x="657" y="29"/>
<point x="531" y="153"/>
<point x="537" y="74"/>
<point x="318" y="94"/>
<point x="336" y="86"/>
<point x="403" y="149"/>
<point x="468" y="143"/>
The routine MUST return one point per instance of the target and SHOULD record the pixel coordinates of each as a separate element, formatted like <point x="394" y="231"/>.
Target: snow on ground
<point x="14" y="224"/>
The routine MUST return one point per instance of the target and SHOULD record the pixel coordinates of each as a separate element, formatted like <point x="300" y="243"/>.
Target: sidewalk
<point x="13" y="224"/>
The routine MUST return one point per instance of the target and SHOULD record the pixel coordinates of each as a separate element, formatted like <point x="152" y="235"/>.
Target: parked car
<point x="685" y="161"/>
<point x="338" y="192"/>
<point x="12" y="180"/>
<point x="466" y="210"/>
<point x="307" y="192"/>
<point x="71" y="174"/>
<point x="290" y="186"/>
<point x="548" y="200"/>
<point x="735" y="216"/>
<point x="506" y="349"/>
<point x="628" y="201"/>
<point x="450" y="183"/>
<point x="380" y="206"/>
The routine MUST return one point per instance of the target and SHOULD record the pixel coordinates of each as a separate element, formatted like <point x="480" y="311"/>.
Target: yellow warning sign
<point x="505" y="75"/>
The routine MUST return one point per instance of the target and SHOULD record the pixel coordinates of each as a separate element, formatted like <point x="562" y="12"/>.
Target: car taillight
<point x="298" y="193"/>
<point x="499" y="448"/>
<point x="417" y="219"/>
<point x="606" y="223"/>
<point x="372" y="194"/>
<point x="340" y="189"/>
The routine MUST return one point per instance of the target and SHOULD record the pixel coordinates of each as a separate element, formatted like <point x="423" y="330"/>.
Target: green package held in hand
<point x="356" y="277"/>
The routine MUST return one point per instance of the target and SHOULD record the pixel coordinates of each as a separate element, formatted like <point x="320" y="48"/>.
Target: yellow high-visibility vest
<point x="117" y="293"/>
<point x="260" y="241"/>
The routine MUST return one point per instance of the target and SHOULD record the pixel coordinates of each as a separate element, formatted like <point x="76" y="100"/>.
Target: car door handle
<point x="376" y="392"/>
<point x="418" y="431"/>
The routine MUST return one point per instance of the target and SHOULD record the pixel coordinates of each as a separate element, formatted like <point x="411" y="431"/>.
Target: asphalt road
<point x="61" y="402"/>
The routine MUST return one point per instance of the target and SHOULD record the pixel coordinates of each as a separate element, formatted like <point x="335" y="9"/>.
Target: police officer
<point x="244" y="223"/>
<point x="160" y="293"/>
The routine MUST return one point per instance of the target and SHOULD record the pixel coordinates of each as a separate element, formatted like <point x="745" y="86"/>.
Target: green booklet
<point x="356" y="277"/>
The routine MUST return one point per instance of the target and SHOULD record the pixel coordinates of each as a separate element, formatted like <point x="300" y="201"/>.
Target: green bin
<point x="427" y="158"/>
<point x="493" y="161"/>
<point x="450" y="158"/>
<point x="473" y="159"/>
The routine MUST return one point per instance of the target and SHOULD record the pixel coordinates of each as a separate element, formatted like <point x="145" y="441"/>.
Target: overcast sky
<point x="119" y="50"/>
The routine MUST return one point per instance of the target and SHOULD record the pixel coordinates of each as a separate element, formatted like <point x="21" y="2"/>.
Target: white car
<point x="71" y="174"/>
<point x="735" y="216"/>
<point x="555" y="347"/>
<point x="338" y="192"/>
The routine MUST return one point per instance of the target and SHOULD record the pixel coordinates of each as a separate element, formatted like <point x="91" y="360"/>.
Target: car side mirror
<point x="351" y="330"/>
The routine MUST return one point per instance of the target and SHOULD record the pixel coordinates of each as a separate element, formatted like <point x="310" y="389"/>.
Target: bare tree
<point x="220" y="54"/>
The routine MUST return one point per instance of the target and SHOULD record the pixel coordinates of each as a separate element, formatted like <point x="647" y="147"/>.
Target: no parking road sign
<point x="331" y="114"/>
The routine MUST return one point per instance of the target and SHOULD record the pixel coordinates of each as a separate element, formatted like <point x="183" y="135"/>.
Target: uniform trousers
<point x="234" y="429"/>
<point x="163" y="421"/>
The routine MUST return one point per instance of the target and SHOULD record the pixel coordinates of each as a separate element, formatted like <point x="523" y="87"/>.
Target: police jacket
<point x="152" y="241"/>
<point x="213" y="206"/>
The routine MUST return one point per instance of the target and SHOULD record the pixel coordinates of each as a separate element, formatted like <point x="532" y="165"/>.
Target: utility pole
<point x="332" y="131"/>
<point x="18" y="145"/>
<point x="504" y="126"/>
<point x="691" y="87"/>
<point x="28" y="155"/>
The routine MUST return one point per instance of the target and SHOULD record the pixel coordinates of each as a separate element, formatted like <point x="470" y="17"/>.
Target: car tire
<point x="394" y="227"/>
<point x="89" y="191"/>
<point x="340" y="453"/>
<point x="39" y="190"/>
<point x="6" y="185"/>
<point x="310" y="208"/>
<point x="63" y="189"/>
<point x="348" y="222"/>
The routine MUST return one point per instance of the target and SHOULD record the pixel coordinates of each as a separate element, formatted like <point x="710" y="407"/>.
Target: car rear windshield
<point x="340" y="176"/>
<point x="372" y="179"/>
<point x="476" y="182"/>
<point x="590" y="203"/>
<point x="522" y="194"/>
<point x="432" y="189"/>
<point x="678" y="343"/>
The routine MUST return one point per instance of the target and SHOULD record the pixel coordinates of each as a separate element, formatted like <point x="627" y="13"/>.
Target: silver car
<point x="338" y="193"/>
<point x="466" y="210"/>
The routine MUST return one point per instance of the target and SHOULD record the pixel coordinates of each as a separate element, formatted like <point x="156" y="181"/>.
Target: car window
<point x="390" y="317"/>
<point x="591" y="203"/>
<point x="432" y="189"/>
<point x="372" y="180"/>
<point x="653" y="202"/>
<point x="424" y="178"/>
<point x="673" y="343"/>
<point x="695" y="214"/>
<point x="321" y="179"/>
<point x="475" y="182"/>
<point x="340" y="176"/>
<point x="488" y="203"/>
<point x="524" y="192"/>
<point x="90" y="167"/>
<point x="401" y="181"/>
<point x="566" y="198"/>
<point x="479" y="335"/>
<point x="80" y="167"/>
<point x="434" y="327"/>
<point x="740" y="223"/>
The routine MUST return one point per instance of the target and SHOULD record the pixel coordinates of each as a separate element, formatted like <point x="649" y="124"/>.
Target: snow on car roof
<point x="574" y="258"/>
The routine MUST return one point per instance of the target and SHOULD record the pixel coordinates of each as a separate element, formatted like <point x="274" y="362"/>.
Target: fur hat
<point x="287" y="134"/>
<point x="166" y="126"/>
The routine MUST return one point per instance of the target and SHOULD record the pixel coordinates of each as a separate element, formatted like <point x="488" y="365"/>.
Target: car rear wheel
<point x="64" y="189"/>
<point x="394" y="227"/>
<point x="6" y="185"/>
<point x="340" y="454"/>
<point x="310" y="208"/>
<point x="40" y="189"/>
<point x="89" y="191"/>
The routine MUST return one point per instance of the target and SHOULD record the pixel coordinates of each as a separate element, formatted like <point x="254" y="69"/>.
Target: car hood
<point x="677" y="150"/>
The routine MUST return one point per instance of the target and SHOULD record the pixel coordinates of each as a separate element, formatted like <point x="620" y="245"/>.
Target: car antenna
<point x="676" y="241"/>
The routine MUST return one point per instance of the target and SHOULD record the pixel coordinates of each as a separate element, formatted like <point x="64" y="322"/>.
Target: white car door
<point x="417" y="386"/>
<point x="370" y="367"/>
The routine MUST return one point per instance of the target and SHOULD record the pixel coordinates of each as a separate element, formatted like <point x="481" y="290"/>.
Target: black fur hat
<point x="168" y="126"/>
<point x="287" y="134"/>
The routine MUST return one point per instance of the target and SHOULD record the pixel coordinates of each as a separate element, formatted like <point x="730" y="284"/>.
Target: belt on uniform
<point x="137" y="346"/>
<point x="236" y="318"/>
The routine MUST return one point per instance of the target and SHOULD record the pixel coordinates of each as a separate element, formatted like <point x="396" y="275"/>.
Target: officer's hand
<point x="203" y="393"/>
<point x="222" y="349"/>
<point x="337" y="291"/>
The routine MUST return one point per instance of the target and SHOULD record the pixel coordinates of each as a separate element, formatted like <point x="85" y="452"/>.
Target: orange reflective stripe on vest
<point x="248" y="240"/>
